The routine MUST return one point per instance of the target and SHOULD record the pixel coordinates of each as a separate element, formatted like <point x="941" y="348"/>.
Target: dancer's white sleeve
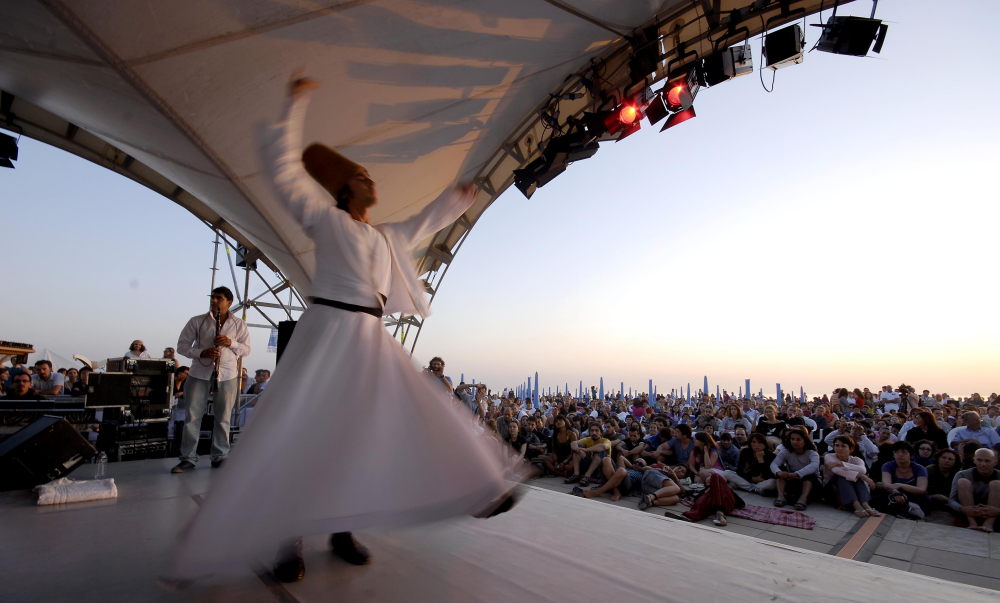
<point x="281" y="157"/>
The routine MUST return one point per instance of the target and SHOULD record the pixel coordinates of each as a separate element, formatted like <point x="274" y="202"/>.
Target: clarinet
<point x="218" y="360"/>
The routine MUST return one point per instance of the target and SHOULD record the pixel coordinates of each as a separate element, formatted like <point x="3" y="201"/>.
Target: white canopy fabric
<point x="422" y="93"/>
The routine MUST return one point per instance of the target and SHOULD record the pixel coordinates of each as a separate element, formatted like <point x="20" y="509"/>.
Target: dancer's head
<point x="346" y="181"/>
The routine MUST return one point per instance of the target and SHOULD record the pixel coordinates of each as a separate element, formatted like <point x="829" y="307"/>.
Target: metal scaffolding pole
<point x="215" y="260"/>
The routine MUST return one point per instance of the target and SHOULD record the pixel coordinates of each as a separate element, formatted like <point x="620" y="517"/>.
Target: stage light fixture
<point x="656" y="111"/>
<point x="679" y="91"/>
<point x="556" y="157"/>
<point x="783" y="48"/>
<point x="852" y="36"/>
<point x="627" y="114"/>
<point x="8" y="151"/>
<point x="678" y="118"/>
<point x="726" y="65"/>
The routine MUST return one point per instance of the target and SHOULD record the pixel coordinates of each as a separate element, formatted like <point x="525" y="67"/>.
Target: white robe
<point x="348" y="434"/>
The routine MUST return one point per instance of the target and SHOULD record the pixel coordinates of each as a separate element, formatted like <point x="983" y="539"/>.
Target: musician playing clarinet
<point x="213" y="341"/>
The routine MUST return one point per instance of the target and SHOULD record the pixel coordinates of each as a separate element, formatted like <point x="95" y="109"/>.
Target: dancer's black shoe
<point x="501" y="505"/>
<point x="291" y="567"/>
<point x="350" y="550"/>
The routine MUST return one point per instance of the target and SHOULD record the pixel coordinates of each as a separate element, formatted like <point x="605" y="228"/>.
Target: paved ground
<point x="927" y="548"/>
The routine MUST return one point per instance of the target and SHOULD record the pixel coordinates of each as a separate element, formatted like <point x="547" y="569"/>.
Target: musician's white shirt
<point x="199" y="335"/>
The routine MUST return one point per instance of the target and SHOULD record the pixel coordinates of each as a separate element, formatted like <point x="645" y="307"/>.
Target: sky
<point x="839" y="231"/>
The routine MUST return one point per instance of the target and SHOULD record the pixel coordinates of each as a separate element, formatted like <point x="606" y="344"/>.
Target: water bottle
<point x="102" y="463"/>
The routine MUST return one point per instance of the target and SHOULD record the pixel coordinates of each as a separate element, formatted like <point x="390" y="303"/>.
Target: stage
<point x="552" y="547"/>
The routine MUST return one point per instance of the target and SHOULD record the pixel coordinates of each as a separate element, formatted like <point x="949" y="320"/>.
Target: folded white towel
<point x="65" y="490"/>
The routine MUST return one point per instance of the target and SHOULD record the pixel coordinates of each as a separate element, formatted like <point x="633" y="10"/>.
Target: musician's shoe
<point x="218" y="463"/>
<point x="291" y="568"/>
<point x="183" y="467"/>
<point x="347" y="548"/>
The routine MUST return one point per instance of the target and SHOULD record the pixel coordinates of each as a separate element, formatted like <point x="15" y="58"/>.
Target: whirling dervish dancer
<point x="307" y="464"/>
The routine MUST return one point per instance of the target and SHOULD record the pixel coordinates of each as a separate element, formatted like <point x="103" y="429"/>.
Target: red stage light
<point x="674" y="96"/>
<point x="627" y="115"/>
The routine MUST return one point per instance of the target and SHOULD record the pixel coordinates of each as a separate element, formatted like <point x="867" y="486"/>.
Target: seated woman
<point x="940" y="476"/>
<point x="925" y="427"/>
<point x="770" y="426"/>
<point x="846" y="479"/>
<point x="717" y="498"/>
<point x="753" y="470"/>
<point x="903" y="489"/>
<point x="795" y="467"/>
<point x="734" y="417"/>
<point x="925" y="452"/>
<point x="705" y="458"/>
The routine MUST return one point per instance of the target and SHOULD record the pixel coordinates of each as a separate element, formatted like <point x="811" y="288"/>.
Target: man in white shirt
<point x="45" y="381"/>
<point x="199" y="342"/>
<point x="889" y="399"/>
<point x="261" y="377"/>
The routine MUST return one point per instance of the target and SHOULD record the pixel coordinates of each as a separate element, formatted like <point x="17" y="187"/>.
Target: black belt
<point x="376" y="312"/>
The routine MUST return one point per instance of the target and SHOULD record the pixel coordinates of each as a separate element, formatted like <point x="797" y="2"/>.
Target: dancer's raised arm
<point x="281" y="157"/>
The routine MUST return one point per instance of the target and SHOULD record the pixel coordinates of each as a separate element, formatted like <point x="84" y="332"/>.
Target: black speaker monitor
<point x="46" y="450"/>
<point x="285" y="329"/>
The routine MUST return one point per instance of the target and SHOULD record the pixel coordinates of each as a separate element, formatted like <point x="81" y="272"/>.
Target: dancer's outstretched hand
<point x="468" y="189"/>
<point x="298" y="84"/>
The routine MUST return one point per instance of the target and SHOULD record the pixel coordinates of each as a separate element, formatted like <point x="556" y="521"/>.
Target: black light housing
<point x="560" y="151"/>
<point x="852" y="36"/>
<point x="726" y="65"/>
<point x="679" y="91"/>
<point x="8" y="151"/>
<point x="679" y="118"/>
<point x="783" y="48"/>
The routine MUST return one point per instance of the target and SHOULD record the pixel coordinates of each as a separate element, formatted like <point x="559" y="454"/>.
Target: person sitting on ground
<point x="517" y="447"/>
<point x="705" y="458"/>
<point x="661" y="488"/>
<point x="504" y="422"/>
<point x="734" y="417"/>
<point x="559" y="459"/>
<point x="619" y="481"/>
<point x="795" y="466"/>
<point x="534" y="445"/>
<point x="587" y="456"/>
<point x="967" y="451"/>
<point x="21" y="389"/>
<point x="741" y="437"/>
<point x="846" y="480"/>
<point x="45" y="381"/>
<point x="925" y="427"/>
<point x="729" y="453"/>
<point x="753" y="469"/>
<point x="903" y="489"/>
<point x="770" y="426"/>
<point x="972" y="429"/>
<point x="925" y="453"/>
<point x="632" y="447"/>
<point x="677" y="449"/>
<point x="976" y="492"/>
<point x="717" y="498"/>
<point x="941" y="475"/>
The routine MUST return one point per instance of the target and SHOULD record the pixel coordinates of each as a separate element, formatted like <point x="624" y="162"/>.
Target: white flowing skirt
<point x="348" y="435"/>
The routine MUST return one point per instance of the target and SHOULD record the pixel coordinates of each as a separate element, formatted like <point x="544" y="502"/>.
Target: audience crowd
<point x="894" y="451"/>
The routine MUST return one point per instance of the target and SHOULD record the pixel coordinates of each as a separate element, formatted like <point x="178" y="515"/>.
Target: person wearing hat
<point x="291" y="460"/>
<point x="137" y="350"/>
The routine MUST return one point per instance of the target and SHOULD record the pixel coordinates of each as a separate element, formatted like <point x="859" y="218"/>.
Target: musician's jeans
<point x="196" y="398"/>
